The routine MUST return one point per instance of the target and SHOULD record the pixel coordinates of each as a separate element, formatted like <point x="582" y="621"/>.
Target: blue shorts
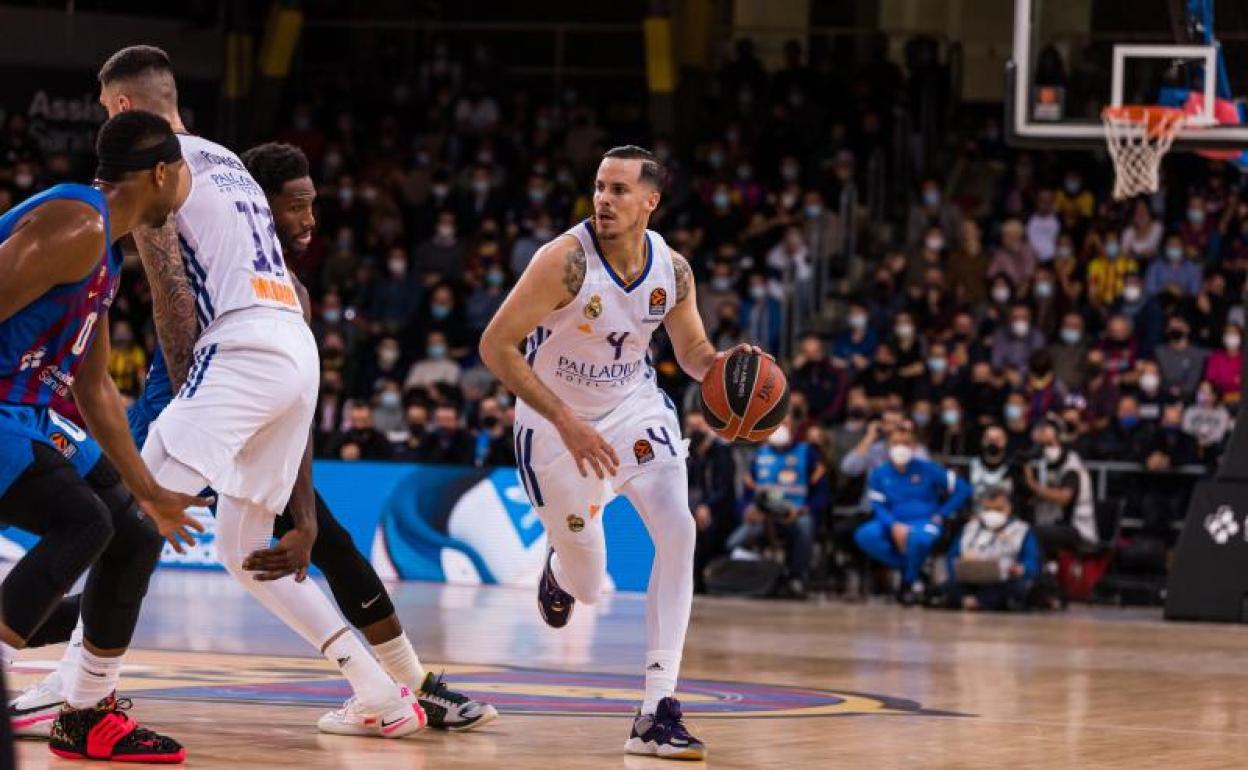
<point x="157" y="393"/>
<point x="23" y="426"/>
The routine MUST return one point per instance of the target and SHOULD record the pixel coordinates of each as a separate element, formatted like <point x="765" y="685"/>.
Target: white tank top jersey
<point x="593" y="353"/>
<point x="229" y="243"/>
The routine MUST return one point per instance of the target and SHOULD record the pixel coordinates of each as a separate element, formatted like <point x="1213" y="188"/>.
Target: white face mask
<point x="1052" y="453"/>
<point x="1150" y="382"/>
<point x="1001" y="295"/>
<point x="781" y="437"/>
<point x="1020" y="328"/>
<point x="1231" y="341"/>
<point x="1131" y="293"/>
<point x="993" y="519"/>
<point x="901" y="454"/>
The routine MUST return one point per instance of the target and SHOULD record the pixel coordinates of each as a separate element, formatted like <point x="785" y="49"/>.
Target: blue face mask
<point x="950" y="417"/>
<point x="494" y="278"/>
<point x="1013" y="412"/>
<point x="1129" y="421"/>
<point x="437" y="352"/>
<point x="1174" y="253"/>
<point x="1112" y="249"/>
<point x="440" y="312"/>
<point x="937" y="365"/>
<point x="931" y="198"/>
<point x="813" y="210"/>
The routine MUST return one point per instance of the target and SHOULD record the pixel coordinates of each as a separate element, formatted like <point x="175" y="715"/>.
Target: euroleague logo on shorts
<point x="63" y="445"/>
<point x="658" y="302"/>
<point x="643" y="451"/>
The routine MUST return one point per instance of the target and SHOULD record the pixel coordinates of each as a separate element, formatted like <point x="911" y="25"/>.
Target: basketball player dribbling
<point x="591" y="420"/>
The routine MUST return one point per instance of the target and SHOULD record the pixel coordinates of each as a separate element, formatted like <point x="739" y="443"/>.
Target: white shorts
<point x="241" y="420"/>
<point x="644" y="430"/>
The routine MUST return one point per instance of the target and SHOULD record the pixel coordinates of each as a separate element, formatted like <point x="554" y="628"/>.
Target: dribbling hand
<point x="588" y="448"/>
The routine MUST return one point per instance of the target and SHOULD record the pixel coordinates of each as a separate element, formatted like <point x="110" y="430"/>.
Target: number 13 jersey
<point x="593" y="353"/>
<point x="228" y="238"/>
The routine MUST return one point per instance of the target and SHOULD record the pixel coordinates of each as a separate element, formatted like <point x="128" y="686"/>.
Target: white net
<point x="1138" y="139"/>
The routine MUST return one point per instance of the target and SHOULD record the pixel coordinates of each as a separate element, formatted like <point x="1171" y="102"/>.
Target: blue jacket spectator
<point x="761" y="315"/>
<point x="910" y="499"/>
<point x="1173" y="270"/>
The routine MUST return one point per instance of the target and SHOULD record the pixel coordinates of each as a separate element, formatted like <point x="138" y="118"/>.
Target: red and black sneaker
<point x="105" y="732"/>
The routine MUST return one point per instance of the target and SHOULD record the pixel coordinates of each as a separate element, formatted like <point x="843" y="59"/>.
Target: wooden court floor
<point x="766" y="685"/>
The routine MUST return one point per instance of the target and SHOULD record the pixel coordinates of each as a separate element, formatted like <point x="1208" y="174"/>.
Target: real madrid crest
<point x="593" y="308"/>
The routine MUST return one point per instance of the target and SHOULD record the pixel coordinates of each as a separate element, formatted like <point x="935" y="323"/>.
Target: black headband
<point x="115" y="165"/>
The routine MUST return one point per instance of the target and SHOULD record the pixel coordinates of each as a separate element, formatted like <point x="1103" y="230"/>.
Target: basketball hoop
<point x="1139" y="137"/>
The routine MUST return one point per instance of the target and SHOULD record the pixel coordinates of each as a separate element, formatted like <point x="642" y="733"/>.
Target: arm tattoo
<point x="574" y="270"/>
<point x="173" y="301"/>
<point x="684" y="277"/>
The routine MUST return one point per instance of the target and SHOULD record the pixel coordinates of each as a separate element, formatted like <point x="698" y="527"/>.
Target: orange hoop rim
<point x="1157" y="120"/>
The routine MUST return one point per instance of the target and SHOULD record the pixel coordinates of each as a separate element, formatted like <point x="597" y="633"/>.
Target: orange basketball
<point x="745" y="397"/>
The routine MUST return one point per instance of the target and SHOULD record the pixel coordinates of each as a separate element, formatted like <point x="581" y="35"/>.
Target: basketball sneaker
<point x="105" y="732"/>
<point x="663" y="734"/>
<point x="450" y="710"/>
<point x="554" y="603"/>
<point x="33" y="711"/>
<point x="397" y="717"/>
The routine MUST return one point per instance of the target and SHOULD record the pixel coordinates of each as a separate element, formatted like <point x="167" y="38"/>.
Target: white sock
<point x="7" y="655"/>
<point x="370" y="683"/>
<point x="662" y="668"/>
<point x="67" y="666"/>
<point x="399" y="660"/>
<point x="94" y="679"/>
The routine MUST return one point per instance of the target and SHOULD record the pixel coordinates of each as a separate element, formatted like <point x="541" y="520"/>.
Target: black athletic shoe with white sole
<point x="664" y="735"/>
<point x="450" y="710"/>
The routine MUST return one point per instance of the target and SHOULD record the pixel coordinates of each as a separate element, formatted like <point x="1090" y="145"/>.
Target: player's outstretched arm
<point x="173" y="301"/>
<point x="694" y="352"/>
<point x="551" y="280"/>
<point x="59" y="242"/>
<point x="105" y="413"/>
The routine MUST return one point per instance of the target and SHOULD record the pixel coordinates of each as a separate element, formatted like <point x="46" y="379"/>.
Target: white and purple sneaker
<point x="663" y="734"/>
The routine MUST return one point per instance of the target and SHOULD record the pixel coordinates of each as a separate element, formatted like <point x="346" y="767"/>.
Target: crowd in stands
<point x="1013" y="323"/>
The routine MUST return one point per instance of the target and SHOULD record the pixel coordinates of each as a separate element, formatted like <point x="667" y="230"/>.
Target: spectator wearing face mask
<point x="908" y="350"/>
<point x="1068" y="351"/>
<point x="933" y="210"/>
<point x="361" y="440"/>
<point x="1014" y="344"/>
<point x="1098" y="392"/>
<point x="788" y="470"/>
<point x="910" y="500"/>
<point x="1174" y="270"/>
<point x="1198" y="231"/>
<point x="447" y="443"/>
<point x="968" y="267"/>
<point x="1017" y="423"/>
<point x="1043" y="392"/>
<point x="1044" y="226"/>
<point x="388" y="412"/>
<point x="938" y="379"/>
<point x="1108" y="270"/>
<point x="995" y="560"/>
<point x="127" y="363"/>
<point x="952" y="434"/>
<point x="443" y="313"/>
<point x="1045" y="301"/>
<point x="1207" y="421"/>
<point x="1074" y="201"/>
<point x="522" y="251"/>
<point x="1149" y="395"/>
<point x="1225" y="367"/>
<point x="983" y="395"/>
<point x="929" y="256"/>
<point x="924" y="421"/>
<point x="761" y="315"/>
<point x="1064" y="509"/>
<point x="854" y="347"/>
<point x="443" y="255"/>
<point x="386" y="364"/>
<point x="814" y="374"/>
<point x="494" y="445"/>
<point x="1126" y="434"/>
<point x="719" y="290"/>
<point x="435" y="367"/>
<point x="880" y="380"/>
<point x="486" y="298"/>
<point x="993" y="466"/>
<point x="1164" y="496"/>
<point x="396" y="297"/>
<point x="416" y="416"/>
<point x="1182" y="364"/>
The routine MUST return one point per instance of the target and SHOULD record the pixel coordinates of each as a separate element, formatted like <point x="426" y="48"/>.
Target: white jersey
<point x="593" y="353"/>
<point x="229" y="242"/>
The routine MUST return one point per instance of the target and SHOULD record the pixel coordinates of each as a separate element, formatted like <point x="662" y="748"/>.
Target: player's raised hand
<point x="167" y="510"/>
<point x="589" y="449"/>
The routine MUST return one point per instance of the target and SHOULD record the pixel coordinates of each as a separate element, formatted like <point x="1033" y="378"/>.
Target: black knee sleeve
<point x="357" y="589"/>
<point x="118" y="582"/>
<point x="49" y="499"/>
<point x="59" y="626"/>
